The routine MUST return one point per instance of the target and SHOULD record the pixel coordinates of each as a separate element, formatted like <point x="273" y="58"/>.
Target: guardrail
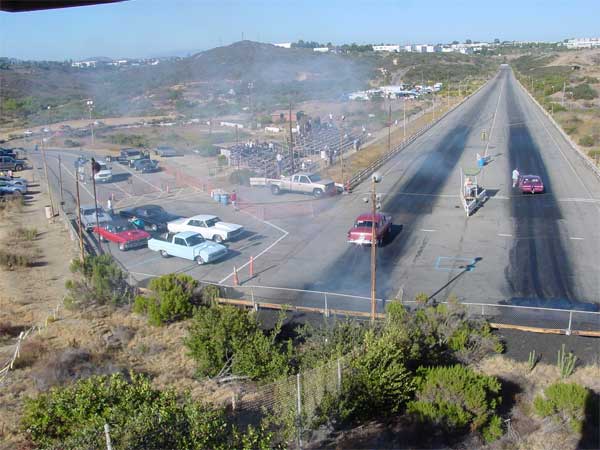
<point x="361" y="176"/>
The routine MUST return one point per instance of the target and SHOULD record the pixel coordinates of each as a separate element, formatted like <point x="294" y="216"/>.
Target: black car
<point x="153" y="217"/>
<point x="8" y="152"/>
<point x="146" y="165"/>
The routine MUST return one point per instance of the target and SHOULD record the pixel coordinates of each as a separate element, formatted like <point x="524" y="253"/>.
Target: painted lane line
<point x="428" y="230"/>
<point x="282" y="237"/>
<point x="142" y="179"/>
<point x="487" y="146"/>
<point x="576" y="238"/>
<point x="504" y="235"/>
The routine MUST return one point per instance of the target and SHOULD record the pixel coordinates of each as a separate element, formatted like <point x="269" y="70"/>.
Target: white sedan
<point x="209" y="227"/>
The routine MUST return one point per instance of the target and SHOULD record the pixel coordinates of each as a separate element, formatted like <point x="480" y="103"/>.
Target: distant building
<point x="386" y="48"/>
<point x="583" y="43"/>
<point x="429" y="49"/>
<point x="321" y="49"/>
<point x="284" y="45"/>
<point x="408" y="48"/>
<point x="84" y="64"/>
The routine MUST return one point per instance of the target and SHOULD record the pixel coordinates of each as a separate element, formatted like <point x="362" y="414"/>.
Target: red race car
<point x="360" y="233"/>
<point x="123" y="233"/>
<point x="531" y="184"/>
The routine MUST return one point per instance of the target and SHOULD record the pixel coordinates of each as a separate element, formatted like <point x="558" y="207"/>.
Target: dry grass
<point x="13" y="261"/>
<point x="24" y="234"/>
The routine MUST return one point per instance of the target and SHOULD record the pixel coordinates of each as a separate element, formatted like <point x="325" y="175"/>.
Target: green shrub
<point x="225" y="339"/>
<point x="24" y="234"/>
<point x="100" y="281"/>
<point x="171" y="299"/>
<point x="140" y="416"/>
<point x="570" y="129"/>
<point x="241" y="177"/>
<point x="586" y="140"/>
<point x="222" y="160"/>
<point x="71" y="143"/>
<point x="565" y="402"/>
<point x="457" y="399"/>
<point x="584" y="92"/>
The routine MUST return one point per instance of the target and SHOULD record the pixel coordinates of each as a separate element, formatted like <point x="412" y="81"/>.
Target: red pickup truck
<point x="361" y="232"/>
<point x="122" y="232"/>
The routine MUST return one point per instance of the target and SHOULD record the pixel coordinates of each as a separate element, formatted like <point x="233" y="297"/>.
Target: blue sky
<point x="144" y="28"/>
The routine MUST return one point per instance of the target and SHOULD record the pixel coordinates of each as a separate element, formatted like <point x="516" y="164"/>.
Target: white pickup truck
<point x="209" y="227"/>
<point x="305" y="183"/>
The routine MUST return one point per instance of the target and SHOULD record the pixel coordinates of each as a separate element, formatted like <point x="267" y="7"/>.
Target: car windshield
<point x="195" y="240"/>
<point x="90" y="211"/>
<point x="151" y="211"/>
<point x="364" y="223"/>
<point x="212" y="222"/>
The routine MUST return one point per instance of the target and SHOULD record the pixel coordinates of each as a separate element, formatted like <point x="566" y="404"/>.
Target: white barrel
<point x="48" y="210"/>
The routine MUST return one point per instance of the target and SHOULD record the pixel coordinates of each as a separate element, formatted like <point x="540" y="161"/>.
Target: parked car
<point x="531" y="184"/>
<point x="10" y="163"/>
<point x="187" y="245"/>
<point x="152" y="217"/>
<point x="361" y="232"/>
<point x="123" y="233"/>
<point x="12" y="187"/>
<point x="210" y="227"/>
<point x="15" y="180"/>
<point x="104" y="175"/>
<point x="128" y="155"/>
<point x="88" y="217"/>
<point x="145" y="165"/>
<point x="165" y="151"/>
<point x="8" y="152"/>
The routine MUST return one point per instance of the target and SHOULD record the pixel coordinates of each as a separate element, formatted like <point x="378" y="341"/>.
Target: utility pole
<point x="90" y="104"/>
<point x="291" y="142"/>
<point x="94" y="170"/>
<point x="375" y="178"/>
<point x="404" y="114"/>
<point x="389" y="143"/>
<point x="432" y="108"/>
<point x="342" y="152"/>
<point x="237" y="144"/>
<point x="47" y="179"/>
<point x="81" y="253"/>
<point x="62" y="199"/>
<point x="563" y="96"/>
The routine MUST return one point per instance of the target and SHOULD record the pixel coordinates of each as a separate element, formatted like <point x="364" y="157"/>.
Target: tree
<point x="468" y="41"/>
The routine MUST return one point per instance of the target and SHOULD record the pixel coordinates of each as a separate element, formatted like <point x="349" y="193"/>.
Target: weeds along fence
<point x="582" y="322"/>
<point x="23" y="336"/>
<point x="292" y="402"/>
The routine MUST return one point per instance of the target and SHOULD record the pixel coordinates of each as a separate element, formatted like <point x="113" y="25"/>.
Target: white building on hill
<point x="583" y="43"/>
<point x="386" y="48"/>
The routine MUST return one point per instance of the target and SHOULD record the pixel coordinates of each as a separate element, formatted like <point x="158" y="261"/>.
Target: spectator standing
<point x="10" y="173"/>
<point x="279" y="159"/>
<point x="233" y="197"/>
<point x="109" y="206"/>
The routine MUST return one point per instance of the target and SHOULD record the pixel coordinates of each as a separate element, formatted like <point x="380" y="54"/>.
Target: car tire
<point x="18" y="167"/>
<point x="154" y="227"/>
<point x="275" y="190"/>
<point x="218" y="239"/>
<point x="318" y="193"/>
<point x="122" y="247"/>
<point x="164" y="254"/>
<point x="199" y="260"/>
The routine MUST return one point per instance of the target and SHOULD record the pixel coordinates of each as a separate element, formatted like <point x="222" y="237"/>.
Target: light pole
<point x="375" y="178"/>
<point x="342" y="150"/>
<point x="49" y="108"/>
<point x="404" y="114"/>
<point x="90" y="104"/>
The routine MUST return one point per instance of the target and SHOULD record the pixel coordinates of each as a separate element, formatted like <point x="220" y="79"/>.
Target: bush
<point x="71" y="143"/>
<point x="584" y="92"/>
<point x="24" y="234"/>
<point x="14" y="260"/>
<point x="139" y="415"/>
<point x="457" y="399"/>
<point x="222" y="160"/>
<point x="129" y="140"/>
<point x="225" y="339"/>
<point x="241" y="176"/>
<point x="101" y="282"/>
<point x="172" y="299"/>
<point x="586" y="140"/>
<point x="571" y="129"/>
<point x="565" y="402"/>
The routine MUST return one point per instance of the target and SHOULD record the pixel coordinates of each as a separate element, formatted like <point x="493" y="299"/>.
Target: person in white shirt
<point x="515" y="177"/>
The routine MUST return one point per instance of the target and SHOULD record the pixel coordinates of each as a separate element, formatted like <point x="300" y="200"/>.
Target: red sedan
<point x="531" y="184"/>
<point x="125" y="234"/>
<point x="361" y="232"/>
